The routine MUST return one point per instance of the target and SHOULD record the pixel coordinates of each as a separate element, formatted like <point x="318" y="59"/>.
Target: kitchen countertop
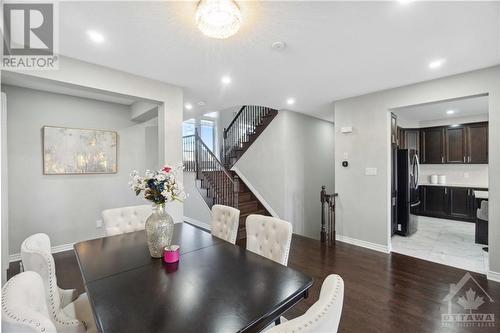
<point x="481" y="194"/>
<point x="456" y="185"/>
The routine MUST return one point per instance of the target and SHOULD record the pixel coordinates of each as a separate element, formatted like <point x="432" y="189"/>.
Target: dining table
<point x="215" y="287"/>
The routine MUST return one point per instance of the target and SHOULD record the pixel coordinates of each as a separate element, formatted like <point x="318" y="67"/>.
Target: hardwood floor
<point x="383" y="292"/>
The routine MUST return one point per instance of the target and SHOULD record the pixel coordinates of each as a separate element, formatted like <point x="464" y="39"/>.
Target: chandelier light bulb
<point x="218" y="18"/>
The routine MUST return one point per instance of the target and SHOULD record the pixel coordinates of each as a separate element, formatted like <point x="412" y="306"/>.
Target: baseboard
<point x="54" y="249"/>
<point x="255" y="192"/>
<point x="493" y="276"/>
<point x="362" y="243"/>
<point x="197" y="223"/>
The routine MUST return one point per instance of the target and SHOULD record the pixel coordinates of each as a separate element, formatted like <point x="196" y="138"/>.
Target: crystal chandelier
<point x="218" y="18"/>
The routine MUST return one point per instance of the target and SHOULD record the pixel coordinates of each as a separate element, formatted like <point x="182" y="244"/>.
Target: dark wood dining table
<point x="215" y="287"/>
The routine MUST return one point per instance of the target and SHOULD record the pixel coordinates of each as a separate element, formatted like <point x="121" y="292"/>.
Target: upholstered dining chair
<point x="323" y="316"/>
<point x="67" y="316"/>
<point x="269" y="237"/>
<point x="125" y="219"/>
<point x="24" y="307"/>
<point x="225" y="221"/>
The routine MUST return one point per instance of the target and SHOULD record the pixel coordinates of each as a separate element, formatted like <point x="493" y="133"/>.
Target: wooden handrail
<point x="328" y="231"/>
<point x="233" y="121"/>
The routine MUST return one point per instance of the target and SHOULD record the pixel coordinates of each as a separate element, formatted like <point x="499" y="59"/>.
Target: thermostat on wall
<point x="346" y="129"/>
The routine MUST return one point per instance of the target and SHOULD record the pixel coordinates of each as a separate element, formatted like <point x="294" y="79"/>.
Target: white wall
<point x="196" y="210"/>
<point x="363" y="210"/>
<point x="66" y="207"/>
<point x="83" y="75"/>
<point x="287" y="165"/>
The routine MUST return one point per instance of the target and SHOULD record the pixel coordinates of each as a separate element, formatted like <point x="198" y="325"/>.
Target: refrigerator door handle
<point x="416" y="171"/>
<point x="415" y="204"/>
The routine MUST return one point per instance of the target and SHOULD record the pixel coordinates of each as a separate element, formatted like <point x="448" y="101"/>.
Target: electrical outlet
<point x="98" y="224"/>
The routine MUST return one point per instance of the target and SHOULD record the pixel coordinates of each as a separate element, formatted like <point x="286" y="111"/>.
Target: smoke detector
<point x="279" y="45"/>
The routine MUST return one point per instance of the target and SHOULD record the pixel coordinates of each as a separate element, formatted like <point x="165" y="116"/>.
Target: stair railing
<point x="221" y="186"/>
<point x="327" y="234"/>
<point x="239" y="130"/>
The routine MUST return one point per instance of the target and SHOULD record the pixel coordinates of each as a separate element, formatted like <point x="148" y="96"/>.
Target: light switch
<point x="370" y="171"/>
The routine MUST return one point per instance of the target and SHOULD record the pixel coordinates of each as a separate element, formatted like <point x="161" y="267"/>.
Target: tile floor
<point x="446" y="242"/>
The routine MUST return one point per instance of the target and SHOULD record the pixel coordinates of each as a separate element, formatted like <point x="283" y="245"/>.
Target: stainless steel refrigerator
<point x="407" y="192"/>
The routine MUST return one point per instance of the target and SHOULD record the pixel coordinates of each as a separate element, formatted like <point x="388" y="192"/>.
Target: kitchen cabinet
<point x="432" y="145"/>
<point x="433" y="200"/>
<point x="448" y="202"/>
<point x="477" y="143"/>
<point x="455" y="144"/>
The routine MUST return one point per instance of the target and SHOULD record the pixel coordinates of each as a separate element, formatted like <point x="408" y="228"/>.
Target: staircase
<point x="245" y="128"/>
<point x="216" y="183"/>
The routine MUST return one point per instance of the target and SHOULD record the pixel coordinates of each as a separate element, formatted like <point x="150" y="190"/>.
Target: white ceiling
<point x="466" y="107"/>
<point x="334" y="49"/>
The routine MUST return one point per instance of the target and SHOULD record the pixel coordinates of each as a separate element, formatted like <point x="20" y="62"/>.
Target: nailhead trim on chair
<point x="33" y="323"/>
<point x="55" y="312"/>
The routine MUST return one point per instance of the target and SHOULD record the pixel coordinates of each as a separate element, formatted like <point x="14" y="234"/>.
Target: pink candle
<point x="171" y="254"/>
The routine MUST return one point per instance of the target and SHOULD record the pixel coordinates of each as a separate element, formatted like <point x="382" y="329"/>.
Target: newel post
<point x="323" y="213"/>
<point x="236" y="190"/>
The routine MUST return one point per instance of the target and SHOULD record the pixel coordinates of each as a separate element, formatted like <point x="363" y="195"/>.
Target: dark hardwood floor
<point x="383" y="292"/>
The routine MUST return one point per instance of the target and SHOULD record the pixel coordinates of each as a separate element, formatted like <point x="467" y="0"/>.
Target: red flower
<point x="167" y="169"/>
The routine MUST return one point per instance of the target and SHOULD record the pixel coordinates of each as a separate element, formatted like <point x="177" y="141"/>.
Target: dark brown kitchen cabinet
<point x="455" y="149"/>
<point x="459" y="202"/>
<point x="432" y="145"/>
<point x="448" y="202"/>
<point x="477" y="143"/>
<point x="433" y="200"/>
<point x="455" y="144"/>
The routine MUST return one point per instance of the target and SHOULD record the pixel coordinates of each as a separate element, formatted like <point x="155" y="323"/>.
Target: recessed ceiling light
<point x="95" y="36"/>
<point x="290" y="101"/>
<point x="201" y="103"/>
<point x="226" y="80"/>
<point x="450" y="112"/>
<point x="436" y="63"/>
<point x="188" y="106"/>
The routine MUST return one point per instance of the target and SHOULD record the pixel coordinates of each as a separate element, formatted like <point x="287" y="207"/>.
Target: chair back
<point x="324" y="315"/>
<point x="125" y="219"/>
<point x="482" y="212"/>
<point x="225" y="221"/>
<point x="269" y="237"/>
<point x="23" y="305"/>
<point x="36" y="256"/>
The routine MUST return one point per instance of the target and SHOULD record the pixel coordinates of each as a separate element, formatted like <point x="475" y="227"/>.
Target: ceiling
<point x="465" y="107"/>
<point x="334" y="49"/>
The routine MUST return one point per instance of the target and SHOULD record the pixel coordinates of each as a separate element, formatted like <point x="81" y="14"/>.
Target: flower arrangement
<point x="159" y="186"/>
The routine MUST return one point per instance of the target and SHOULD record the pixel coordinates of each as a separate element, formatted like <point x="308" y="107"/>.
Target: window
<point x="188" y="127"/>
<point x="207" y="133"/>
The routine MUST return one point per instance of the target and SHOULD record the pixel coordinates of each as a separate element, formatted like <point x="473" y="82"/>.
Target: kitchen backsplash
<point x="459" y="174"/>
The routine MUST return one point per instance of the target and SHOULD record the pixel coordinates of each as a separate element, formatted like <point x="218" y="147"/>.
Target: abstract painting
<point x="78" y="151"/>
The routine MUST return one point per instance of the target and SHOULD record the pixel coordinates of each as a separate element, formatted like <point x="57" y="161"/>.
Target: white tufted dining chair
<point x="225" y="221"/>
<point x="23" y="305"/>
<point x="269" y="237"/>
<point x="75" y="316"/>
<point x="323" y="316"/>
<point x="125" y="219"/>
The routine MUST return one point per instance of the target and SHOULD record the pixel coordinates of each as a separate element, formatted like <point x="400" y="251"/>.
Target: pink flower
<point x="166" y="169"/>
